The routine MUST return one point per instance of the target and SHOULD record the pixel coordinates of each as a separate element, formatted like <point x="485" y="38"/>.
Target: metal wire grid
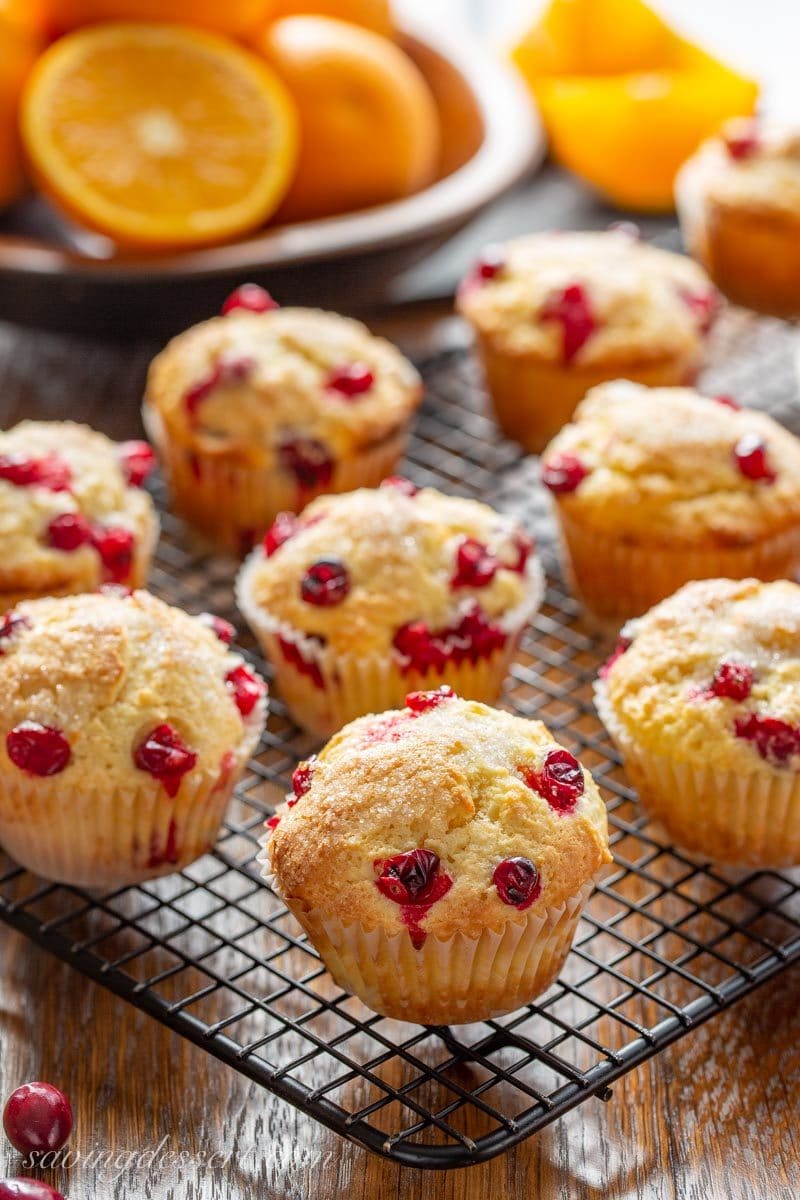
<point x="666" y="941"/>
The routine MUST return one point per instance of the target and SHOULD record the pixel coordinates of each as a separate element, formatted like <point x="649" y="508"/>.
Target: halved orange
<point x="370" y="14"/>
<point x="232" y="17"/>
<point x="157" y="135"/>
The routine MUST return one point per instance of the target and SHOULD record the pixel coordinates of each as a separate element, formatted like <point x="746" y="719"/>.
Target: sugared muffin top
<point x="392" y="566"/>
<point x="588" y="298"/>
<point x="751" y="164"/>
<point x="446" y="816"/>
<point x="674" y="466"/>
<point x="283" y="387"/>
<point x="115" y="688"/>
<point x="712" y="675"/>
<point x="72" y="513"/>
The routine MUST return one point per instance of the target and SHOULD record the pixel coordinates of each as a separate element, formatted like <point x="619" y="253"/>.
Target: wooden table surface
<point x="712" y="1118"/>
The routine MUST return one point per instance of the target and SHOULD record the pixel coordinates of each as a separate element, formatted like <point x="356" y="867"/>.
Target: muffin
<point x="257" y="412"/>
<point x="371" y="594"/>
<point x="558" y="313"/>
<point x="654" y="487"/>
<point x="124" y="725"/>
<point x="702" y="698"/>
<point x="738" y="200"/>
<point x="439" y="857"/>
<point x="72" y="512"/>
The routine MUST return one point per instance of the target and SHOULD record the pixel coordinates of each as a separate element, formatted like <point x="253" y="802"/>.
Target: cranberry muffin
<point x="558" y="313"/>
<point x="124" y="725"/>
<point x="654" y="487"/>
<point x="259" y="410"/>
<point x="72" y="512"/>
<point x="368" y="595"/>
<point x="738" y="200"/>
<point x="702" y="698"/>
<point x="439" y="857"/>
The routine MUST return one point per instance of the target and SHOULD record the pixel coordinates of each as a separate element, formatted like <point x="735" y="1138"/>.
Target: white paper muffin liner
<point x="231" y="504"/>
<point x="448" y="981"/>
<point x="746" y="820"/>
<point x="354" y="685"/>
<point x="108" y="838"/>
<point x="616" y="581"/>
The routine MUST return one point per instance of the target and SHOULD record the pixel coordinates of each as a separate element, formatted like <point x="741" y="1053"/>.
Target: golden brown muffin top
<point x="750" y="165"/>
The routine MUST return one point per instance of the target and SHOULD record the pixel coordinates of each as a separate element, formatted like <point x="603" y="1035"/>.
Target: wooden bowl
<point x="55" y="277"/>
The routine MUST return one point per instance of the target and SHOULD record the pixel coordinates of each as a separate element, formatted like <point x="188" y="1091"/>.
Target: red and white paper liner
<point x="117" y="835"/>
<point x="231" y="503"/>
<point x="333" y="689"/>
<point x="726" y="816"/>
<point x="447" y="981"/>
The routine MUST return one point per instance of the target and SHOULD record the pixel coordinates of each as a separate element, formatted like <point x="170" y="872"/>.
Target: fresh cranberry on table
<point x="38" y="749"/>
<point x="27" y="1189"/>
<point x="517" y="882"/>
<point x="351" y="380"/>
<point x="37" y="1117"/>
<point x="572" y="308"/>
<point x="138" y="461"/>
<point x="563" y="473"/>
<point x="325" y="583"/>
<point x="560" y="780"/>
<point x="251" y="298"/>
<point x="164" y="755"/>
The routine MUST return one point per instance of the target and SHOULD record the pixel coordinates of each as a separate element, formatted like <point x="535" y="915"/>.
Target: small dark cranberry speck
<point x="776" y="741"/>
<point x="251" y="298"/>
<point x="115" y="546"/>
<point x="325" y="583"/>
<point x="517" y="882"/>
<point x="221" y="628"/>
<point x="38" y="749"/>
<point x="752" y="459"/>
<point x="476" y="566"/>
<point x="68" y="532"/>
<point x="421" y="702"/>
<point x="728" y="402"/>
<point x="490" y="264"/>
<point x="732" y="681"/>
<point x="704" y="305"/>
<point x="412" y="878"/>
<point x="399" y="484"/>
<point x="572" y="309"/>
<point x="138" y="461"/>
<point x="560" y="780"/>
<point x="10" y="625"/>
<point x="246" y="689"/>
<point x="27" y="1189"/>
<point x="164" y="755"/>
<point x="351" y="380"/>
<point x="309" y="461"/>
<point x="302" y="776"/>
<point x="273" y="822"/>
<point x="37" y="1117"/>
<point x="743" y="142"/>
<point x="524" y="546"/>
<point x="284" y="526"/>
<point x="623" y="644"/>
<point x="49" y="472"/>
<point x="563" y="473"/>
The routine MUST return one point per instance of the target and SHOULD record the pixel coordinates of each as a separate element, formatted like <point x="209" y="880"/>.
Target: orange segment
<point x="369" y="128"/>
<point x="370" y="14"/>
<point x="158" y="135"/>
<point x="233" y="17"/>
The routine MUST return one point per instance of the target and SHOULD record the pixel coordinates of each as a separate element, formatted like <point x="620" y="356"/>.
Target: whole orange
<point x="369" y="128"/>
<point x="18" y="51"/>
<point x="371" y="14"/>
<point x="234" y="17"/>
<point x="33" y="16"/>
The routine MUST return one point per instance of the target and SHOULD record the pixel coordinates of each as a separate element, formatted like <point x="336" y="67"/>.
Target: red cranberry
<point x="138" y="462"/>
<point x="704" y="305"/>
<point x="752" y="459"/>
<point x="560" y="780"/>
<point x="475" y="637"/>
<point x="732" y="681"/>
<point x="68" y="532"/>
<point x="742" y="142"/>
<point x="251" y="298"/>
<point x="776" y="740"/>
<point x="115" y="546"/>
<point x="38" y="749"/>
<point x="227" y="369"/>
<point x="571" y="307"/>
<point x="351" y="380"/>
<point x="49" y="472"/>
<point x="412" y="878"/>
<point x="399" y="484"/>
<point x="309" y="461"/>
<point x="27" y="1189"/>
<point x="623" y="644"/>
<point x="563" y="473"/>
<point x="325" y="583"/>
<point x="273" y="822"/>
<point x="728" y="402"/>
<point x="246" y="689"/>
<point x="476" y="566"/>
<point x="423" y="649"/>
<point x="305" y="666"/>
<point x="164" y="755"/>
<point x="302" y="776"/>
<point x="284" y="526"/>
<point x="220" y="627"/>
<point x="420" y="702"/>
<point x="524" y="546"/>
<point x="37" y="1117"/>
<point x="517" y="882"/>
<point x="10" y="625"/>
<point x="490" y="264"/>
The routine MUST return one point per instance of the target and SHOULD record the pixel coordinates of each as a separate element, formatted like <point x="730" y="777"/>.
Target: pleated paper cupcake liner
<point x="745" y="820"/>
<point x="616" y="581"/>
<point x="447" y="981"/>
<point x="116" y="836"/>
<point x="324" y="690"/>
<point x="231" y="504"/>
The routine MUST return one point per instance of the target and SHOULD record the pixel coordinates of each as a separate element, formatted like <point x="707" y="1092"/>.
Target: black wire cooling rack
<point x="666" y="941"/>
